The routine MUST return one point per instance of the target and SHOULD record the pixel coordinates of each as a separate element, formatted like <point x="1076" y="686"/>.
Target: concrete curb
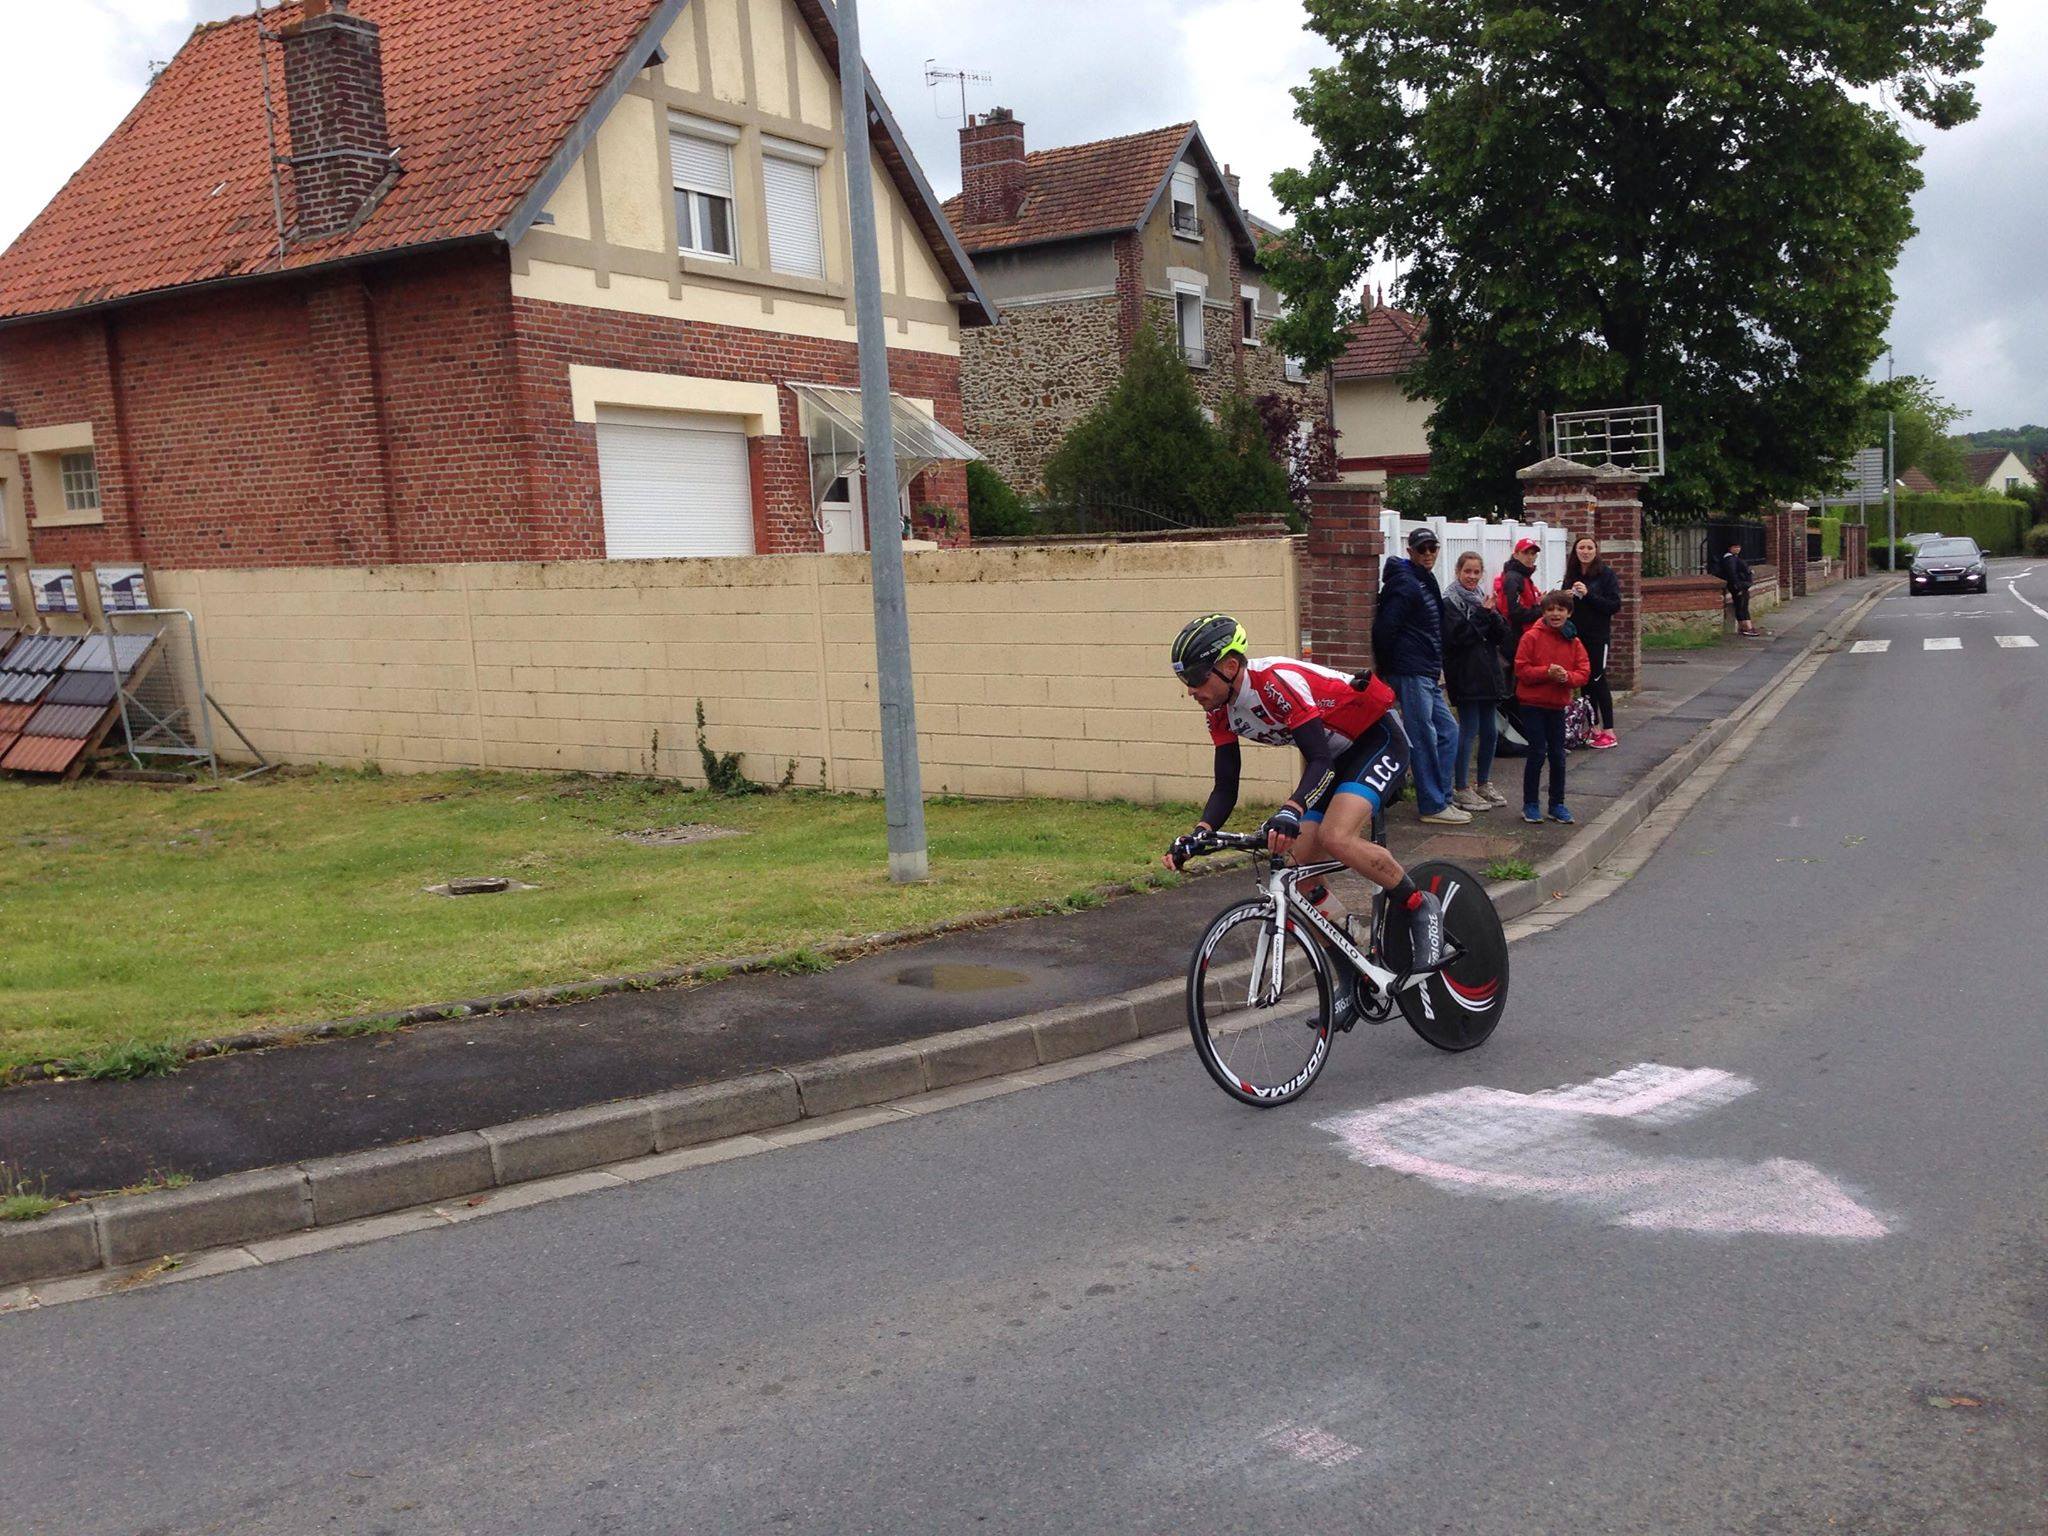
<point x="240" y="1208"/>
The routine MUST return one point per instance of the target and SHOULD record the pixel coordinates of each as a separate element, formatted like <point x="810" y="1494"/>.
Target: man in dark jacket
<point x="1408" y="651"/>
<point x="1735" y="573"/>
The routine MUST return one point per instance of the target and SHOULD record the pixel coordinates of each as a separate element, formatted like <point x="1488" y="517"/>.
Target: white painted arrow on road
<point x="1559" y="1145"/>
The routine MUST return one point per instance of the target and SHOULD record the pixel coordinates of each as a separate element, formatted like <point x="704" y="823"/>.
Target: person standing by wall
<point x="1408" y="651"/>
<point x="1592" y="581"/>
<point x="1735" y="573"/>
<point x="1474" y="633"/>
<point x="1548" y="666"/>
<point x="1517" y="595"/>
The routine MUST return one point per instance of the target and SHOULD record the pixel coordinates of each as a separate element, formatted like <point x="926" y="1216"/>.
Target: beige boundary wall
<point x="1040" y="671"/>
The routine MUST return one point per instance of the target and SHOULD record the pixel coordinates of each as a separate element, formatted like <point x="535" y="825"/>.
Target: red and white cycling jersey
<point x="1277" y="695"/>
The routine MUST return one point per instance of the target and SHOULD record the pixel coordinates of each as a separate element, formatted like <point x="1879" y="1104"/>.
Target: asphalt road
<point x="1801" y="1289"/>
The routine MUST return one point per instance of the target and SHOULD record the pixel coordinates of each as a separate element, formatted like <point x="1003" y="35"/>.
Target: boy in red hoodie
<point x="1549" y="663"/>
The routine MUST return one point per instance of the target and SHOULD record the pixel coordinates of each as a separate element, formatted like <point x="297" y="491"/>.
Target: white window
<point x="700" y="167"/>
<point x="1296" y="370"/>
<point x="673" y="486"/>
<point x="80" y="479"/>
<point x="1186" y="220"/>
<point x="1248" y="315"/>
<point x="1187" y="315"/>
<point x="789" y="182"/>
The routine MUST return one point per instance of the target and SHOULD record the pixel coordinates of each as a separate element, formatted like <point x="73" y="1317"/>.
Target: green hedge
<point x="1995" y="522"/>
<point x="2036" y="541"/>
<point x="1830" y="536"/>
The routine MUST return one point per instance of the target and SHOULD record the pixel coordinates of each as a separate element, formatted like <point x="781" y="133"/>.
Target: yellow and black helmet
<point x="1203" y="643"/>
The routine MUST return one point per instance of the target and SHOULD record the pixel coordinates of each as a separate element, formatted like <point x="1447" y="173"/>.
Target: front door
<point x="839" y="516"/>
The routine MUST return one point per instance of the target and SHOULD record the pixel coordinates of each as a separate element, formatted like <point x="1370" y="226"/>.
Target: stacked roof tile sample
<point x="74" y="705"/>
<point x="28" y="666"/>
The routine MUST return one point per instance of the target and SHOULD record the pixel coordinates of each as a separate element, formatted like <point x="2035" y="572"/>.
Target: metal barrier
<point x="166" y="712"/>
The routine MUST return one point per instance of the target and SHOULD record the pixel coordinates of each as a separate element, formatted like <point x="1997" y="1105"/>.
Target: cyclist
<point x="1354" y="751"/>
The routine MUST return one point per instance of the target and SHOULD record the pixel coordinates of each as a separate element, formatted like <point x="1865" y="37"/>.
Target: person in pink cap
<point x="1518" y="596"/>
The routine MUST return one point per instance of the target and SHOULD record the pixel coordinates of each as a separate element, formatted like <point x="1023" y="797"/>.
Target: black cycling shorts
<point x="1374" y="766"/>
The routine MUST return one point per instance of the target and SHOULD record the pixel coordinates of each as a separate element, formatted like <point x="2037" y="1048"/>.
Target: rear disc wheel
<point x="1458" y="1007"/>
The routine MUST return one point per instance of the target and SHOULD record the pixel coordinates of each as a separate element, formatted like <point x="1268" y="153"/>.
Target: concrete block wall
<point x="1040" y="671"/>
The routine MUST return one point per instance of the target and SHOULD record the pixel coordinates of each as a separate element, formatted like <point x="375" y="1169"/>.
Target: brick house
<point x="534" y="279"/>
<point x="1381" y="433"/>
<point x="1081" y="244"/>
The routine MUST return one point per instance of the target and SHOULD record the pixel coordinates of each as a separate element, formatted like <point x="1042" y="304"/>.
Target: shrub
<point x="994" y="509"/>
<point x="2037" y="540"/>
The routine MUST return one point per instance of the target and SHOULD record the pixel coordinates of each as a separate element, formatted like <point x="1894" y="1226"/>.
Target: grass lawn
<point x="1682" y="639"/>
<point x="137" y="917"/>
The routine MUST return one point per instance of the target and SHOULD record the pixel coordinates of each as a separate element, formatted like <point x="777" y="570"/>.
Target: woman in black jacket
<point x="1474" y="632"/>
<point x="1592" y="581"/>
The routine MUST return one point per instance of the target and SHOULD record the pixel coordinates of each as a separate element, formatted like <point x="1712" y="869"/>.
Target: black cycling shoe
<point x="1426" y="924"/>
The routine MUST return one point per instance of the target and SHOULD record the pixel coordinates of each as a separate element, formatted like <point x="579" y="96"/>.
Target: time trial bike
<point x="1272" y="974"/>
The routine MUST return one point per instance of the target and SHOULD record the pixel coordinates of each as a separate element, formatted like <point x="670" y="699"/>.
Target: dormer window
<point x="1187" y="220"/>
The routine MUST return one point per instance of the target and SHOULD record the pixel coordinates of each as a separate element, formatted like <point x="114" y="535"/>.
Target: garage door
<point x="670" y="490"/>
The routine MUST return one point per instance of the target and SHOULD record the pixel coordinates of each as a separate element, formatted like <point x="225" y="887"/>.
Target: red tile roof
<point x="1082" y="189"/>
<point x="478" y="92"/>
<point x="1384" y="345"/>
<point x="1981" y="463"/>
<point x="1918" y="480"/>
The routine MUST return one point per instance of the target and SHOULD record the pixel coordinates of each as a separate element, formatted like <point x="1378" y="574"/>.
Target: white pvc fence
<point x="1494" y="541"/>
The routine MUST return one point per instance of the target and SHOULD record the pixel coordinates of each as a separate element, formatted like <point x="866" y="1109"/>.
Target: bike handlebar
<point x="1197" y="844"/>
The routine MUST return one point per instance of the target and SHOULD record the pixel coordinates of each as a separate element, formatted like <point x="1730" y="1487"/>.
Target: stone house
<point x="1081" y="244"/>
<point x="531" y="281"/>
<point x="1381" y="433"/>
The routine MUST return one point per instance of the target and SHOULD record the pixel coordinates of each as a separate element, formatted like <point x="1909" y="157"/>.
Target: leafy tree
<point x="1147" y="447"/>
<point x="1305" y="444"/>
<point x="1621" y="202"/>
<point x="994" y="510"/>
<point x="2029" y="442"/>
<point x="1921" y="419"/>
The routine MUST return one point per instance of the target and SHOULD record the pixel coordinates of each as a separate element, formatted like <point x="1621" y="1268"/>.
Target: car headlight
<point x="1976" y="570"/>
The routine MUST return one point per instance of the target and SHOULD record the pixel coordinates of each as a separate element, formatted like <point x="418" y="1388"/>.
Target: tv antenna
<point x="936" y="76"/>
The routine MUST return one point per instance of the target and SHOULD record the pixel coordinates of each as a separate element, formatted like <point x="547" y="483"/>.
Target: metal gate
<point x="166" y="712"/>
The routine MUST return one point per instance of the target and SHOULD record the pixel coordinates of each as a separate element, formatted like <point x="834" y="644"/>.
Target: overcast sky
<point x="1972" y="307"/>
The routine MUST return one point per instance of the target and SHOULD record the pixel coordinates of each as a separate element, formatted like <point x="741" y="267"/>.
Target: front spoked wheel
<point x="1263" y="1042"/>
<point x="1458" y="1007"/>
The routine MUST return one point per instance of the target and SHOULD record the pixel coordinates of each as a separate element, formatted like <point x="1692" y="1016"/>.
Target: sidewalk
<point x="260" y="1108"/>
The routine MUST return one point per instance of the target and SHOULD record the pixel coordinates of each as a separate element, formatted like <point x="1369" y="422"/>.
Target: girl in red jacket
<point x="1549" y="663"/>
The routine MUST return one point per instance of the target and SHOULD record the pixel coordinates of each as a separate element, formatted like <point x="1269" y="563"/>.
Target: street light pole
<point x="1891" y="478"/>
<point x="902" y="783"/>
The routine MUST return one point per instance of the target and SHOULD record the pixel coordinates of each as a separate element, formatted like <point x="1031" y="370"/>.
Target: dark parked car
<point x="1953" y="563"/>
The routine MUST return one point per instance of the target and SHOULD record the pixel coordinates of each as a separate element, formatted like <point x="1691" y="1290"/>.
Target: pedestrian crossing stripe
<point x="2017" y="642"/>
<point x="1869" y="647"/>
<point x="1944" y="643"/>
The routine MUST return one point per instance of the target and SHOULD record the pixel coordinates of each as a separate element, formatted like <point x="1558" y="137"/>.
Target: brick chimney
<point x="334" y="96"/>
<point x="1233" y="181"/>
<point x="992" y="168"/>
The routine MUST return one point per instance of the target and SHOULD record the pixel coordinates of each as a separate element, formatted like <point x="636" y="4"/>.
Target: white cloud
<point x="1971" y="307"/>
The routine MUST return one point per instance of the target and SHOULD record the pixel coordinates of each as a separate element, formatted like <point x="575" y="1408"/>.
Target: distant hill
<point x="2029" y="442"/>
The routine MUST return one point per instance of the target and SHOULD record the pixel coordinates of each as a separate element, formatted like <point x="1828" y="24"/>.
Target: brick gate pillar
<point x="1560" y="493"/>
<point x="1855" y="550"/>
<point x="1618" y="507"/>
<point x="1780" y="550"/>
<point x="1795" y="534"/>
<point x="1340" y="575"/>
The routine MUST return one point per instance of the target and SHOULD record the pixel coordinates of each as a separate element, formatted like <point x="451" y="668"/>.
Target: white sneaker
<point x="1449" y="816"/>
<point x="1470" y="800"/>
<point x="1492" y="796"/>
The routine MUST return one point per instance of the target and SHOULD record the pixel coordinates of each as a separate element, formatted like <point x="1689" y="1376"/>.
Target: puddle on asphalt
<point x="960" y="978"/>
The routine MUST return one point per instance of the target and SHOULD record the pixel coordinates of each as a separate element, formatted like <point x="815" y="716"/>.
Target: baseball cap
<point x="1423" y="538"/>
<point x="1522" y="544"/>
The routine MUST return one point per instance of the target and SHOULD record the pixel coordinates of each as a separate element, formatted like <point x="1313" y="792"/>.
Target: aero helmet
<point x="1203" y="643"/>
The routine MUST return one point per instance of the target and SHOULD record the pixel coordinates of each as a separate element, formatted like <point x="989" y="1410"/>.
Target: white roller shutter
<point x="794" y="236"/>
<point x="671" y="491"/>
<point x="699" y="163"/>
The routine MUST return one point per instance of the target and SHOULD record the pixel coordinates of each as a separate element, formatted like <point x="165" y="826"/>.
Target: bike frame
<point x="1269" y="960"/>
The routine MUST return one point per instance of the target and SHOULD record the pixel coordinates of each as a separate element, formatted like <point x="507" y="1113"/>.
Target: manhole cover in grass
<point x="479" y="885"/>
<point x="677" y="837"/>
<point x="960" y="978"/>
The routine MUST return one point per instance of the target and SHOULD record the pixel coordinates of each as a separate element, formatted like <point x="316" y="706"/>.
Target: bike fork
<point x="1268" y="963"/>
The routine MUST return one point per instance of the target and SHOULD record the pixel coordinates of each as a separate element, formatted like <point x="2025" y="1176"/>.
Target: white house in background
<point x="1998" y="469"/>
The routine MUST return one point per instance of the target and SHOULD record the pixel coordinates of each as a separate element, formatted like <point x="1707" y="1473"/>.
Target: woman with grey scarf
<point x="1474" y="632"/>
